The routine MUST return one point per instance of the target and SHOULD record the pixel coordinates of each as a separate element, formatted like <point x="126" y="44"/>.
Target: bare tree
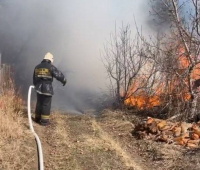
<point x="170" y="60"/>
<point x="124" y="61"/>
<point x="183" y="37"/>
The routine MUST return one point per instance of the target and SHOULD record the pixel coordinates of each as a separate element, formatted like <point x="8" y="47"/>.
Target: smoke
<point x="73" y="31"/>
<point x="161" y="18"/>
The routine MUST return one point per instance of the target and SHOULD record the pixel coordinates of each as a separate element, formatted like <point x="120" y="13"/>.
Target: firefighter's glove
<point x="64" y="83"/>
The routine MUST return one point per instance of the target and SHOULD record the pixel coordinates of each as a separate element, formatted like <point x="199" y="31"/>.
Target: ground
<point x="105" y="142"/>
<point x="84" y="142"/>
<point x="88" y="142"/>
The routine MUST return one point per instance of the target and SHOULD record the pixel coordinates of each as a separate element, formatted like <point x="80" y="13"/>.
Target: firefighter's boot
<point x="37" y="118"/>
<point x="45" y="120"/>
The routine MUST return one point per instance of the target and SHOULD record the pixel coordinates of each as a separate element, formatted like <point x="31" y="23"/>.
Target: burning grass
<point x="175" y="90"/>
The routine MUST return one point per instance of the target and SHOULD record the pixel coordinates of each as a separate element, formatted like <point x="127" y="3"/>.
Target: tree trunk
<point x="118" y="92"/>
<point x="194" y="105"/>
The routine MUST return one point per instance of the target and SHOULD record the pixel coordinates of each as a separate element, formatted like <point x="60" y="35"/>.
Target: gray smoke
<point x="74" y="31"/>
<point x="160" y="16"/>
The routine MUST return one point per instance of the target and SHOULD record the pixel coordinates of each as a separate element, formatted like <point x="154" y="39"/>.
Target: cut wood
<point x="180" y="133"/>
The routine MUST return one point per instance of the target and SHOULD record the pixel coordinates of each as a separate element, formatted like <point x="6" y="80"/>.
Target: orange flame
<point x="142" y="100"/>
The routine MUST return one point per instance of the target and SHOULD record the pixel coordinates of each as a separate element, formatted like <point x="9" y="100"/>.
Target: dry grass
<point x="16" y="147"/>
<point x="155" y="155"/>
<point x="79" y="142"/>
<point x="11" y="117"/>
<point x="59" y="151"/>
<point x="114" y="145"/>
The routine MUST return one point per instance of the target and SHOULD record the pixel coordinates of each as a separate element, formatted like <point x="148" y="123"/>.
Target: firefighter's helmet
<point x="49" y="56"/>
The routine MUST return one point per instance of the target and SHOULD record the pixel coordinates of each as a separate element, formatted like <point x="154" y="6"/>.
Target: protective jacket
<point x="43" y="77"/>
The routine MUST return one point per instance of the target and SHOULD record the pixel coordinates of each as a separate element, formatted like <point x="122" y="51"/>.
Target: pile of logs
<point x="180" y="133"/>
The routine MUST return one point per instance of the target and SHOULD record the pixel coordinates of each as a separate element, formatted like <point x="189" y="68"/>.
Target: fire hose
<point x="39" y="145"/>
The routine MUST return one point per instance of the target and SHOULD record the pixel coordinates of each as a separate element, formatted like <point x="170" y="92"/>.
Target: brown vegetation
<point x="16" y="143"/>
<point x="80" y="142"/>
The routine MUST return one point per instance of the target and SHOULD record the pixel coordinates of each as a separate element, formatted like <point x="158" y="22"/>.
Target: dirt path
<point x="41" y="131"/>
<point x="84" y="143"/>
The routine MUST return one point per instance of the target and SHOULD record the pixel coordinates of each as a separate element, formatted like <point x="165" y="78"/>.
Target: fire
<point x="140" y="98"/>
<point x="143" y="100"/>
<point x="196" y="72"/>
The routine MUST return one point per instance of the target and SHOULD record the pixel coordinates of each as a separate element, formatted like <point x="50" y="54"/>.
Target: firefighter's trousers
<point x="43" y="108"/>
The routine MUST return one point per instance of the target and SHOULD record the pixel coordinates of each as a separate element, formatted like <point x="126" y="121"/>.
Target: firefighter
<point x="42" y="79"/>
